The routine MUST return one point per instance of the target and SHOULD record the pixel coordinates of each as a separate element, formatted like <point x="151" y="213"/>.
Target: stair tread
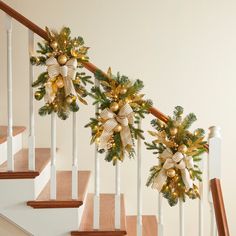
<point x="149" y="225"/>
<point x="64" y="190"/>
<point x="42" y="157"/>
<point x="107" y="217"/>
<point x="3" y="132"/>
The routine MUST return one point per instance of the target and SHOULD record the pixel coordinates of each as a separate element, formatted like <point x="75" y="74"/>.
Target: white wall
<point x="184" y="51"/>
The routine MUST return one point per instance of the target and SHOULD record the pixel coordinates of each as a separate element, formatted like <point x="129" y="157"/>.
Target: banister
<point x="23" y="20"/>
<point x="219" y="207"/>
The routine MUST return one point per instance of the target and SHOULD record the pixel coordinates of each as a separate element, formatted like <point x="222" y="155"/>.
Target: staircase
<point x="46" y="202"/>
<point x="64" y="215"/>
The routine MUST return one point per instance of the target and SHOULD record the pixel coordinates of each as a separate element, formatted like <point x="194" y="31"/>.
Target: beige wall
<point x="184" y="51"/>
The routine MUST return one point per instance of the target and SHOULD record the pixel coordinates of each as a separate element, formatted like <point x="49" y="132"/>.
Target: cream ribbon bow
<point x="124" y="118"/>
<point x="179" y="161"/>
<point x="68" y="72"/>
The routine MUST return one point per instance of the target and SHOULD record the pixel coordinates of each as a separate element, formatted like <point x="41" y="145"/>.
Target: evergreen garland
<point x="61" y="49"/>
<point x="113" y="94"/>
<point x="178" y="152"/>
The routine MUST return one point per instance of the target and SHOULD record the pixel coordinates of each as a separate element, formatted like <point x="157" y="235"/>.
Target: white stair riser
<point x="15" y="191"/>
<point x="38" y="222"/>
<point x="17" y="146"/>
<point x="45" y="222"/>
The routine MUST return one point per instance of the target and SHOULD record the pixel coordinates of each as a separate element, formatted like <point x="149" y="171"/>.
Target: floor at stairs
<point x="64" y="198"/>
<point x="42" y="157"/>
<point x="107" y="227"/>
<point x="149" y="226"/>
<point x="3" y="132"/>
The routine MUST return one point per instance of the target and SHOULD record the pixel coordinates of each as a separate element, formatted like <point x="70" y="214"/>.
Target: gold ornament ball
<point x="38" y="95"/>
<point x="114" y="106"/>
<point x="69" y="99"/>
<point x="62" y="59"/>
<point x="173" y="131"/>
<point x="123" y="91"/>
<point x="171" y="172"/>
<point x="118" y="128"/>
<point x="60" y="83"/>
<point x="183" y="148"/>
<point x="54" y="44"/>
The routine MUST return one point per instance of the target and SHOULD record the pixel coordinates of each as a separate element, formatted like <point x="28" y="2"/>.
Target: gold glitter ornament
<point x="60" y="83"/>
<point x="183" y="148"/>
<point x="171" y="172"/>
<point x="62" y="59"/>
<point x="54" y="44"/>
<point x="38" y="95"/>
<point x="118" y="128"/>
<point x="114" y="106"/>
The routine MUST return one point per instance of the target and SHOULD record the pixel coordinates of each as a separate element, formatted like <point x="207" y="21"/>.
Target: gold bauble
<point x="62" y="59"/>
<point x="114" y="106"/>
<point x="183" y="148"/>
<point x="173" y="131"/>
<point x="118" y="128"/>
<point x="54" y="44"/>
<point x="60" y="83"/>
<point x="123" y="91"/>
<point x="70" y="99"/>
<point x="171" y="172"/>
<point x="38" y="95"/>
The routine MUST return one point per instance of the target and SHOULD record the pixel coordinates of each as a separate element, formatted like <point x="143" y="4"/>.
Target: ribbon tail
<point x="126" y="137"/>
<point x="187" y="179"/>
<point x="107" y="133"/>
<point x="50" y="94"/>
<point x="69" y="86"/>
<point x="104" y="138"/>
<point x="160" y="180"/>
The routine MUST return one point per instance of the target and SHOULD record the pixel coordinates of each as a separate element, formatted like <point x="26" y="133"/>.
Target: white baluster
<point x="53" y="183"/>
<point x="160" y="216"/>
<point x="96" y="200"/>
<point x="117" y="196"/>
<point x="214" y="170"/>
<point x="139" y="186"/>
<point x="200" y="202"/>
<point x="10" y="158"/>
<point x="181" y="218"/>
<point x="31" y="106"/>
<point x="75" y="160"/>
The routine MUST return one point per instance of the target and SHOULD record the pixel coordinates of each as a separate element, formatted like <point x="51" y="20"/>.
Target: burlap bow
<point x="124" y="118"/>
<point x="68" y="72"/>
<point x="179" y="161"/>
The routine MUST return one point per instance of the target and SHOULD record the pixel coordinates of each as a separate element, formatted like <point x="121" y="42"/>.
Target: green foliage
<point x="42" y="79"/>
<point x="120" y="90"/>
<point x="172" y="135"/>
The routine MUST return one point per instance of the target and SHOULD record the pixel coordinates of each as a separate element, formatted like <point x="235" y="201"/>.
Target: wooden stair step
<point x="3" y="132"/>
<point x="149" y="225"/>
<point x="42" y="157"/>
<point x="64" y="191"/>
<point x="107" y="217"/>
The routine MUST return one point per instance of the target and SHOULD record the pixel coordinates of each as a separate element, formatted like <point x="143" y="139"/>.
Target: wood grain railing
<point x="221" y="219"/>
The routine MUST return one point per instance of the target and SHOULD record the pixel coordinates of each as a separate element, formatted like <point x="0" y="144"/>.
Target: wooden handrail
<point x="219" y="207"/>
